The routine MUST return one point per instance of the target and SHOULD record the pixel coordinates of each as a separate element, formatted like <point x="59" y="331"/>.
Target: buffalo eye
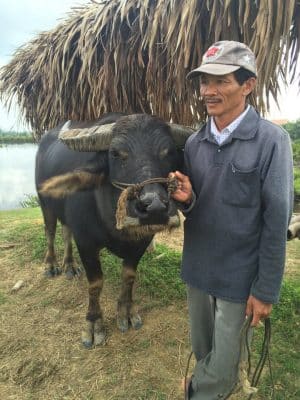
<point x="119" y="154"/>
<point x="165" y="153"/>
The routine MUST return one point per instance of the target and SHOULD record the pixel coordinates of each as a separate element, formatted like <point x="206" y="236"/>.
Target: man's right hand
<point x="184" y="191"/>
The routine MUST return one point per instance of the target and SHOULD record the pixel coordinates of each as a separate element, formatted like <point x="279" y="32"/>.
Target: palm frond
<point x="134" y="55"/>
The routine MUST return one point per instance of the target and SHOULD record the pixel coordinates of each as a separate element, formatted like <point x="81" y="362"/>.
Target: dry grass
<point x="41" y="356"/>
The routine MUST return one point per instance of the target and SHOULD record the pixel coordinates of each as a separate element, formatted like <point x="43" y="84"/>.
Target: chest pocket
<point x="241" y="187"/>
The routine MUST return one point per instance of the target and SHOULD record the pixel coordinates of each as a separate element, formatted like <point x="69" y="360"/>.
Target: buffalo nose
<point x="151" y="203"/>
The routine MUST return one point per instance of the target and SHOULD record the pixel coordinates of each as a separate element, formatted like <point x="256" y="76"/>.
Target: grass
<point x="41" y="326"/>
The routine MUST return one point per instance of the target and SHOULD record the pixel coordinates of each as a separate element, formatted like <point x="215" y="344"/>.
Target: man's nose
<point x="209" y="89"/>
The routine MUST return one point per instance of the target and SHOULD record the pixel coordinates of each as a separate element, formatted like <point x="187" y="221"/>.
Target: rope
<point x="172" y="184"/>
<point x="185" y="376"/>
<point x="132" y="190"/>
<point x="244" y="376"/>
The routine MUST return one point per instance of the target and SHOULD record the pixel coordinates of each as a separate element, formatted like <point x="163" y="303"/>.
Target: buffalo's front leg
<point x="126" y="309"/>
<point x="94" y="333"/>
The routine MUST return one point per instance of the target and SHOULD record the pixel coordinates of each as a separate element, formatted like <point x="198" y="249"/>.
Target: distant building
<point x="280" y="121"/>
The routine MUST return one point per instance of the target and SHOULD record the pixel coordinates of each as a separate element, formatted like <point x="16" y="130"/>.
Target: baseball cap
<point x="224" y="57"/>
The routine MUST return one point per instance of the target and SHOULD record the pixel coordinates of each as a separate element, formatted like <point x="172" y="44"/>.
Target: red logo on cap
<point x="212" y="51"/>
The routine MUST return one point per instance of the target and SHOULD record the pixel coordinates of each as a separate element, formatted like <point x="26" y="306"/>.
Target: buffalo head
<point x="140" y="152"/>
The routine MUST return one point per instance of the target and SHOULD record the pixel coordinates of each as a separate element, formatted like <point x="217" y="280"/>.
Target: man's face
<point x="223" y="95"/>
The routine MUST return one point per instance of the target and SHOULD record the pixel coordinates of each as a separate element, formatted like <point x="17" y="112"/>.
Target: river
<point x="16" y="174"/>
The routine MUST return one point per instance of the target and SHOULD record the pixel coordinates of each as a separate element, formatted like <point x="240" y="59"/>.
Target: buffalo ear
<point x="63" y="185"/>
<point x="180" y="134"/>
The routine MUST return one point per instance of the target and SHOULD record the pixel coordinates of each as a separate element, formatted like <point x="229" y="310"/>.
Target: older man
<point x="237" y="195"/>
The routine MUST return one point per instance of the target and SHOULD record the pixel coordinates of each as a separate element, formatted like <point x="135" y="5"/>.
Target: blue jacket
<point x="235" y="234"/>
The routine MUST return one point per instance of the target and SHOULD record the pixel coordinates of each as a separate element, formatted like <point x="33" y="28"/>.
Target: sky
<point x="22" y="20"/>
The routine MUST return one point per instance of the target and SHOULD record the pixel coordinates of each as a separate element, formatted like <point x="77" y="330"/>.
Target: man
<point x="237" y="196"/>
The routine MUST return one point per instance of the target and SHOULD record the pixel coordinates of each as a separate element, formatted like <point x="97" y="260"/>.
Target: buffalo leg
<point x="68" y="261"/>
<point x="51" y="265"/>
<point x="94" y="332"/>
<point x="126" y="309"/>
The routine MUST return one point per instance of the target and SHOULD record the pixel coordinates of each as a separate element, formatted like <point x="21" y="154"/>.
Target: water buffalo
<point x="106" y="182"/>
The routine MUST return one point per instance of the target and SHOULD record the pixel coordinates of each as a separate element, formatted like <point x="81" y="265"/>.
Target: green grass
<point x="159" y="279"/>
<point x="3" y="298"/>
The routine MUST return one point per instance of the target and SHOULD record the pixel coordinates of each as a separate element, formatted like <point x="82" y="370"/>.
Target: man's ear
<point x="249" y="86"/>
<point x="63" y="185"/>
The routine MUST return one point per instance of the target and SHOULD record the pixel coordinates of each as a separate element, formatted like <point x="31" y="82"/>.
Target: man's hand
<point x="259" y="309"/>
<point x="184" y="191"/>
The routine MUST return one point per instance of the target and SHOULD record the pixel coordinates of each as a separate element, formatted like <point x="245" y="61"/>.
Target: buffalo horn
<point x="95" y="138"/>
<point x="180" y="134"/>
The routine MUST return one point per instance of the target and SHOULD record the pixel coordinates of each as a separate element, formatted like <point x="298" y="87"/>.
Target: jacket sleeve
<point x="277" y="206"/>
<point x="186" y="208"/>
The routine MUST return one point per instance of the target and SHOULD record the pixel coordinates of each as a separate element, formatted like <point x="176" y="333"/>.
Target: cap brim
<point x="213" y="69"/>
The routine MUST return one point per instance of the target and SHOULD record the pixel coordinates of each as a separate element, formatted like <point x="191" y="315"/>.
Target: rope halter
<point x="132" y="191"/>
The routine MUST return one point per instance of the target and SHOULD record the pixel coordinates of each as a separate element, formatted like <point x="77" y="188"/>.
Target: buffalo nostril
<point x="156" y="206"/>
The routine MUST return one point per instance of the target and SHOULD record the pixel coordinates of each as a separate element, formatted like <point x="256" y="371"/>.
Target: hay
<point x="133" y="56"/>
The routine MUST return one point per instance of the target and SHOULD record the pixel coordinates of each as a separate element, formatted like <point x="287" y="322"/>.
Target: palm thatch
<point x="133" y="56"/>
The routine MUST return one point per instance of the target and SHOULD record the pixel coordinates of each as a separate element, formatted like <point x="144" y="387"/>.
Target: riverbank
<point x="16" y="139"/>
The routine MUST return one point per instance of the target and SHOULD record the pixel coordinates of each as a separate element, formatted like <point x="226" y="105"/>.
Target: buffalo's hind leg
<point x="68" y="261"/>
<point x="94" y="332"/>
<point x="51" y="266"/>
<point x="127" y="312"/>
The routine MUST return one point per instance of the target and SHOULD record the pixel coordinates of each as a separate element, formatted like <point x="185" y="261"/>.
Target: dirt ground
<point x="41" y="356"/>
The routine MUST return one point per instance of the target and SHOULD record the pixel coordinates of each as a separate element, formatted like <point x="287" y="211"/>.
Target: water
<point x="16" y="174"/>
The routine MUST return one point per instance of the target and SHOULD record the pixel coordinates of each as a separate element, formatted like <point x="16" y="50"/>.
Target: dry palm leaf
<point x="133" y="56"/>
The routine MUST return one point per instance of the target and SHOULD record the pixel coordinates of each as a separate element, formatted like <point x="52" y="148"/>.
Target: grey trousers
<point x="215" y="326"/>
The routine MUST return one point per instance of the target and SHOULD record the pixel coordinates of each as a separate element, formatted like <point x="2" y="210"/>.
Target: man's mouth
<point x="212" y="101"/>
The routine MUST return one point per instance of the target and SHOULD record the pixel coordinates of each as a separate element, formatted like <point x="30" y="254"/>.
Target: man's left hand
<point x="259" y="309"/>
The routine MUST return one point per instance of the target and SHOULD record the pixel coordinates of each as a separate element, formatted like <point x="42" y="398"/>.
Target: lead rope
<point x="132" y="190"/>
<point x="248" y="388"/>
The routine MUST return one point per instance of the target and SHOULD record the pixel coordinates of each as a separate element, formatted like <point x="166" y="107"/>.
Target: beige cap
<point x="225" y="57"/>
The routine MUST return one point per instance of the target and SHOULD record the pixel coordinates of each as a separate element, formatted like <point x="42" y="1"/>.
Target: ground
<point x="41" y="356"/>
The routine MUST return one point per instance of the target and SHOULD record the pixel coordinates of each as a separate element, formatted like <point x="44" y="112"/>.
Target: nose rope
<point x="131" y="191"/>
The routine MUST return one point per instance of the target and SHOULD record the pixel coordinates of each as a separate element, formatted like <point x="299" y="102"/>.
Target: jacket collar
<point x="246" y="130"/>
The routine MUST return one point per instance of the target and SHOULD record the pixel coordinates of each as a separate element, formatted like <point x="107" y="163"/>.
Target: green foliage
<point x="296" y="152"/>
<point x="297" y="180"/>
<point x="293" y="129"/>
<point x="30" y="201"/>
<point x="13" y="137"/>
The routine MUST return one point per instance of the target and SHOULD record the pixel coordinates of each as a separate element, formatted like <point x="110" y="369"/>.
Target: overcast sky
<point x="21" y="20"/>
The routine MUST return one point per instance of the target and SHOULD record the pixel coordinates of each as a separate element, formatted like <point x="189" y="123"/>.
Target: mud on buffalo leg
<point x="94" y="332"/>
<point x="126" y="309"/>
<point x="68" y="260"/>
<point x="51" y="265"/>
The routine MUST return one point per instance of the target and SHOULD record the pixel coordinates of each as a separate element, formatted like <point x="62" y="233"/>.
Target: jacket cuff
<point x="186" y="208"/>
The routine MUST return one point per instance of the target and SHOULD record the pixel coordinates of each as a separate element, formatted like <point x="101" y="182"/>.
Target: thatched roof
<point x="133" y="56"/>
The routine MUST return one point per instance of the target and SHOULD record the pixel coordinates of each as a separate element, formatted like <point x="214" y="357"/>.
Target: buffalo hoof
<point x="134" y="320"/>
<point x="123" y="324"/>
<point x="72" y="272"/>
<point x="94" y="335"/>
<point x="51" y="272"/>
